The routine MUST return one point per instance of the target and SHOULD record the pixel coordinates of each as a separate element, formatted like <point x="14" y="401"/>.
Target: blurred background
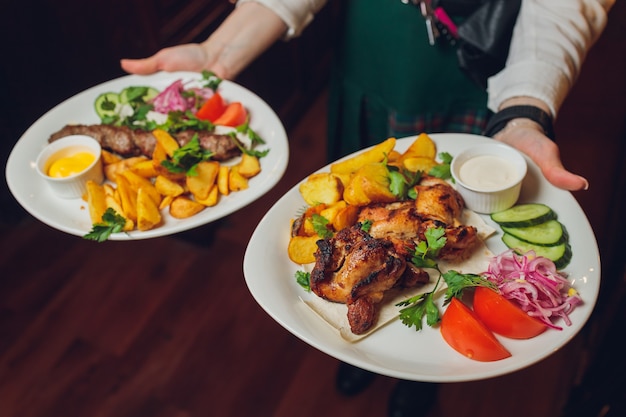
<point x="167" y="327"/>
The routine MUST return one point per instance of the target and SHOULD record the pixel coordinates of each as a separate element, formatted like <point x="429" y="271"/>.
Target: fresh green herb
<point x="255" y="139"/>
<point x="458" y="282"/>
<point x="366" y="225"/>
<point x="442" y="170"/>
<point x="304" y="280"/>
<point x="211" y="80"/>
<point x="320" y="225"/>
<point x="419" y="306"/>
<point x="425" y="256"/>
<point x="402" y="181"/>
<point x="187" y="157"/>
<point x="112" y="222"/>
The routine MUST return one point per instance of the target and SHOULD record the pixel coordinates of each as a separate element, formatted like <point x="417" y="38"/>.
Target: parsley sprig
<point x="425" y="256"/>
<point x="187" y="157"/>
<point x="112" y="222"/>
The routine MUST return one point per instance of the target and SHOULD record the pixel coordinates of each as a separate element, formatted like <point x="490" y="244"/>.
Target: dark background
<point x="52" y="50"/>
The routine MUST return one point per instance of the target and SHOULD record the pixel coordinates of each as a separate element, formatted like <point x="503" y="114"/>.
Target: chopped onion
<point x="533" y="283"/>
<point x="173" y="98"/>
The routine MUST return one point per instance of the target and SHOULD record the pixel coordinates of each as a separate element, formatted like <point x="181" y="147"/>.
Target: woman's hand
<point x="528" y="137"/>
<point x="246" y="33"/>
<point x="189" y="57"/>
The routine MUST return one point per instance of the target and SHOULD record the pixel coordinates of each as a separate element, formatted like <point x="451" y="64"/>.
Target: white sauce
<point x="487" y="173"/>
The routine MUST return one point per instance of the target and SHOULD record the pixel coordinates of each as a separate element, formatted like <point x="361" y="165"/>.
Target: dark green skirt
<point x="387" y="80"/>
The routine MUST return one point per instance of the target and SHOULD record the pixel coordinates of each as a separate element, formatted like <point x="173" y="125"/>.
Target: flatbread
<point x="336" y="314"/>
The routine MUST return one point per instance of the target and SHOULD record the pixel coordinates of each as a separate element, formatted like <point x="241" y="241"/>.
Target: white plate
<point x="72" y="216"/>
<point x="396" y="350"/>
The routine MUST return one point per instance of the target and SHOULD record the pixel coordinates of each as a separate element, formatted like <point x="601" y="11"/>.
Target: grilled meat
<point x="128" y="142"/>
<point x="356" y="269"/>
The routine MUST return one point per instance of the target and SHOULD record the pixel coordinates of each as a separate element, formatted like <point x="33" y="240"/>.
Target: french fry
<point x="148" y="213"/>
<point x="375" y="154"/>
<point x="183" y="207"/>
<point x="167" y="141"/>
<point x="199" y="185"/>
<point x="128" y="198"/>
<point x="249" y="166"/>
<point x="222" y="180"/>
<point x="96" y="201"/>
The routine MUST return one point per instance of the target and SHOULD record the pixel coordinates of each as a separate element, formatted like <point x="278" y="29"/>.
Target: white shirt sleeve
<point x="296" y="14"/>
<point x="550" y="42"/>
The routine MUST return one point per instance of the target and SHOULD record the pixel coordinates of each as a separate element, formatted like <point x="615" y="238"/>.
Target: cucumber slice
<point x="138" y="93"/>
<point x="548" y="233"/>
<point x="106" y="104"/>
<point x="560" y="254"/>
<point x="524" y="215"/>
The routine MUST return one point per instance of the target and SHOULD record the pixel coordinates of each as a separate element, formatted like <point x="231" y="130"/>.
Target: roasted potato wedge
<point x="419" y="163"/>
<point x="200" y="184"/>
<point x="211" y="199"/>
<point x="301" y="249"/>
<point x="423" y="147"/>
<point x="249" y="166"/>
<point x="183" y="207"/>
<point x="111" y="171"/>
<point x="96" y="201"/>
<point x="167" y="141"/>
<point x="322" y="188"/>
<point x="370" y="184"/>
<point x="148" y="213"/>
<point x="236" y="181"/>
<point x="375" y="154"/>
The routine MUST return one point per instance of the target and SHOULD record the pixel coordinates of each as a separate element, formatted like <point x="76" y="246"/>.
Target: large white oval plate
<point x="396" y="350"/>
<point x="72" y="216"/>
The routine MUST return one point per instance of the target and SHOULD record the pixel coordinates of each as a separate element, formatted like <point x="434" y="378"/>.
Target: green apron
<point x="387" y="80"/>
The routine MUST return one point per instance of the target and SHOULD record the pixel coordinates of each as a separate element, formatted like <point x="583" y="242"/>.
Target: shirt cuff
<point x="296" y="14"/>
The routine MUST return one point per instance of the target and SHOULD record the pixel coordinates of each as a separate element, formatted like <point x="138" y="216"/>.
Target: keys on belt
<point x="438" y="23"/>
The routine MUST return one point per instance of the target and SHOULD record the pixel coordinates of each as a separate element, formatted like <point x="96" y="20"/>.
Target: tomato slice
<point x="466" y="334"/>
<point x="212" y="108"/>
<point x="234" y="115"/>
<point x="503" y="317"/>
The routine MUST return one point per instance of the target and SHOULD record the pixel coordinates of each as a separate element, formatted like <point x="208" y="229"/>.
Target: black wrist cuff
<point x="499" y="120"/>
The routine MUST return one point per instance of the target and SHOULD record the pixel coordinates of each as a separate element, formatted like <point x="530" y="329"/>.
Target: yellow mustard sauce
<point x="70" y="165"/>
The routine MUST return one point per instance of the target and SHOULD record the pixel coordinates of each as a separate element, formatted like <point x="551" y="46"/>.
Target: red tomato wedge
<point x="234" y="115"/>
<point x="212" y="108"/>
<point x="503" y="317"/>
<point x="466" y="334"/>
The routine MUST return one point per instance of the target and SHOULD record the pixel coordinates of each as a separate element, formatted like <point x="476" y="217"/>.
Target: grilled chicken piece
<point x="436" y="199"/>
<point x="127" y="142"/>
<point x="356" y="269"/>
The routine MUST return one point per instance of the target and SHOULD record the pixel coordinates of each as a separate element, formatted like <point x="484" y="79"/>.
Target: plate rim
<point x="489" y="370"/>
<point x="24" y="151"/>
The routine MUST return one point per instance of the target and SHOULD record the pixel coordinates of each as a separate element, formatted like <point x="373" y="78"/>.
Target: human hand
<point x="529" y="138"/>
<point x="188" y="57"/>
<point x="246" y="33"/>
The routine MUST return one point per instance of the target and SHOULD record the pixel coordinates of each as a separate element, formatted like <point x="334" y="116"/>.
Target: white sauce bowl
<point x="489" y="176"/>
<point x="73" y="186"/>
